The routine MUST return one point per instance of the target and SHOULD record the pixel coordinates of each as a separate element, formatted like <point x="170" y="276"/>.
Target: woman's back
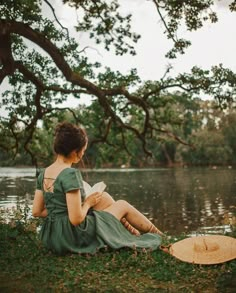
<point x="99" y="229"/>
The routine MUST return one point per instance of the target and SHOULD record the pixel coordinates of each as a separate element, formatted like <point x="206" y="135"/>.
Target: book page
<point x="87" y="188"/>
<point x="98" y="187"/>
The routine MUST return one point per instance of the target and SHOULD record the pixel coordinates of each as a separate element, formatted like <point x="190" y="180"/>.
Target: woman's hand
<point x="93" y="199"/>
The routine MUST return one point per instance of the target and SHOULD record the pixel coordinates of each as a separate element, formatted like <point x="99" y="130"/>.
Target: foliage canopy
<point x="43" y="65"/>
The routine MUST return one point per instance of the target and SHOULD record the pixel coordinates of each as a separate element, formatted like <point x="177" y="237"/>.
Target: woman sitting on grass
<point x="77" y="224"/>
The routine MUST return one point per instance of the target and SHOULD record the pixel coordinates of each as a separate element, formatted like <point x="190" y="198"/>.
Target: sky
<point x="211" y="45"/>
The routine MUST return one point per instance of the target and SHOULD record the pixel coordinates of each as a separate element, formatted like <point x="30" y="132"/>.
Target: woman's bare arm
<point x="39" y="209"/>
<point x="76" y="211"/>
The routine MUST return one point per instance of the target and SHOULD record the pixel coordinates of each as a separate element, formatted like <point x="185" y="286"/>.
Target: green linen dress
<point x="99" y="230"/>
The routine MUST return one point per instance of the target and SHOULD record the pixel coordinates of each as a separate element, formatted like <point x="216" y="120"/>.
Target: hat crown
<point x="201" y="245"/>
<point x="208" y="249"/>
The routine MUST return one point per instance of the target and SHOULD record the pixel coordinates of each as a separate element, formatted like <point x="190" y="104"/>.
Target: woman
<point x="77" y="224"/>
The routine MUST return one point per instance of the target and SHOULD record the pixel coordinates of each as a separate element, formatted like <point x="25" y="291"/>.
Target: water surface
<point x="177" y="200"/>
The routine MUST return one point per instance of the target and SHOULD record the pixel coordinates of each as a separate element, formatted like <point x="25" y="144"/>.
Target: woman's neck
<point x="63" y="161"/>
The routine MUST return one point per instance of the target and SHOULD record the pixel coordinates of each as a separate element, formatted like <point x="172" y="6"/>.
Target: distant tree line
<point x="206" y="134"/>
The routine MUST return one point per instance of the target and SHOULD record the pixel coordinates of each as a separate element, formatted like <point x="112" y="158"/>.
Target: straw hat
<point x="211" y="249"/>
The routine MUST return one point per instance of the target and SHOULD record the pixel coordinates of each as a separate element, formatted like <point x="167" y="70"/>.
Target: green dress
<point x="99" y="230"/>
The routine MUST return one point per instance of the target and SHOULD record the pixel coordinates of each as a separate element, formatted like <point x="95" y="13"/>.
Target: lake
<point x="177" y="200"/>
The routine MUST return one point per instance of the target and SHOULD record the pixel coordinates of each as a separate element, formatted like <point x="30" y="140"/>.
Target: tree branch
<point x="11" y="26"/>
<point x="53" y="11"/>
<point x="172" y="37"/>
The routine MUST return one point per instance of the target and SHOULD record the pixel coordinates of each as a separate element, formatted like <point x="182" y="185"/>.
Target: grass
<point x="27" y="267"/>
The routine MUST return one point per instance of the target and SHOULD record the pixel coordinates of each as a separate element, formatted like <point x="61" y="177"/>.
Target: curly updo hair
<point x="69" y="137"/>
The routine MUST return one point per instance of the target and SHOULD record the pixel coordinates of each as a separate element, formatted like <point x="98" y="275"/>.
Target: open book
<point x="98" y="187"/>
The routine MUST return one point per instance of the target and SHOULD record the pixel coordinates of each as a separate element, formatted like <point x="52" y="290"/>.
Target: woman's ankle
<point x="153" y="229"/>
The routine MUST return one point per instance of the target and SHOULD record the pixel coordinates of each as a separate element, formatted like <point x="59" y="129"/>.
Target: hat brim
<point x="224" y="249"/>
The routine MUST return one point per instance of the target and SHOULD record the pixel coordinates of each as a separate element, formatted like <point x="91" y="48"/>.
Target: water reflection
<point x="176" y="200"/>
<point x="179" y="200"/>
<point x="15" y="190"/>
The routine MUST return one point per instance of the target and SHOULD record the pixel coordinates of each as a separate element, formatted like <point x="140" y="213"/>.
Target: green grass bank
<point x="25" y="266"/>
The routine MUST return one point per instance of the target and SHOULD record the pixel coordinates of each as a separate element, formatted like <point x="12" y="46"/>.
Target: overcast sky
<point x="211" y="45"/>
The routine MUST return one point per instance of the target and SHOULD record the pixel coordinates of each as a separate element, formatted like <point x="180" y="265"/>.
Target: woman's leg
<point x="122" y="209"/>
<point x="129" y="227"/>
<point x="106" y="202"/>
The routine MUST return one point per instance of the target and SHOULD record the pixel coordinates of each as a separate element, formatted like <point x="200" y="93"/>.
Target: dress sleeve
<point x="72" y="180"/>
<point x="39" y="182"/>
